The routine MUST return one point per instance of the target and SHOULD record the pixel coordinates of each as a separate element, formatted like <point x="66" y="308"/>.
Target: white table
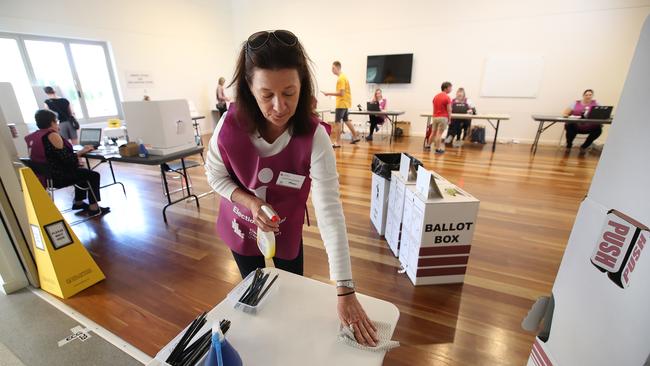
<point x="297" y="326"/>
<point x="542" y="119"/>
<point x="488" y="117"/>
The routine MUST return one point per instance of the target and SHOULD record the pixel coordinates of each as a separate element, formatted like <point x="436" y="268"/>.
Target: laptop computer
<point x="372" y="107"/>
<point x="90" y="136"/>
<point x="600" y="112"/>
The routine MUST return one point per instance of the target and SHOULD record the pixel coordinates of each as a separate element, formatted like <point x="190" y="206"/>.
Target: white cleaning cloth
<point x="383" y="333"/>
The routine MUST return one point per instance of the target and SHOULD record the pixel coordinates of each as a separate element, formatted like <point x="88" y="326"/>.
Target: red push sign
<point x="619" y="247"/>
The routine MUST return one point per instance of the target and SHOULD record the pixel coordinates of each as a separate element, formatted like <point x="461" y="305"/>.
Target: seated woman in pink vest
<point x="376" y="121"/>
<point x="46" y="146"/>
<point x="270" y="150"/>
<point x="581" y="108"/>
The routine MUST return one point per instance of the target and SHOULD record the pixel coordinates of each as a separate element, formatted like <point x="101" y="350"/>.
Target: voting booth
<point x="383" y="166"/>
<point x="379" y="202"/>
<point x="598" y="313"/>
<point x="164" y="126"/>
<point x="439" y="220"/>
<point x="401" y="179"/>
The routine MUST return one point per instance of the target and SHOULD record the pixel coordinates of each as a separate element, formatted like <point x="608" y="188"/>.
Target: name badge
<point x="290" y="180"/>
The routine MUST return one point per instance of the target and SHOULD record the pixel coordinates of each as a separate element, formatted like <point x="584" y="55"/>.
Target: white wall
<point x="186" y="45"/>
<point x="585" y="44"/>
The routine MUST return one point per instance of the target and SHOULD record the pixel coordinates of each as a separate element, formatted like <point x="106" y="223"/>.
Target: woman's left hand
<point x="352" y="315"/>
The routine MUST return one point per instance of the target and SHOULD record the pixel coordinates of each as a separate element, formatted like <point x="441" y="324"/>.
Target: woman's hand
<point x="351" y="313"/>
<point x="86" y="149"/>
<point x="260" y="218"/>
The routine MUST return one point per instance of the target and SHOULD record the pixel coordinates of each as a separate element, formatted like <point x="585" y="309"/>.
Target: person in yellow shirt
<point x="343" y="103"/>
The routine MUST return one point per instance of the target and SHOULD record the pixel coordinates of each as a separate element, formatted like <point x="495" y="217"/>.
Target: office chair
<point x="43" y="170"/>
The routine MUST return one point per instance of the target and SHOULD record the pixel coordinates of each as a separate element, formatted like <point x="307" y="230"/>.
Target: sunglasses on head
<point x="260" y="39"/>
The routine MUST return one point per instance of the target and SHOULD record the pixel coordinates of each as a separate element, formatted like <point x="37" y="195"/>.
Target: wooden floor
<point x="160" y="277"/>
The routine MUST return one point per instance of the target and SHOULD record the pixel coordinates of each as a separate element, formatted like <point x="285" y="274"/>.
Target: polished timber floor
<point x="160" y="277"/>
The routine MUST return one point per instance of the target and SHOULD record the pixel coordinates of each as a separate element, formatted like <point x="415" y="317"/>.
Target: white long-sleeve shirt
<point x="325" y="191"/>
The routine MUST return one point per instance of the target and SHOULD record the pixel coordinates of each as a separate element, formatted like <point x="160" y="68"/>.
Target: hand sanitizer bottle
<point x="266" y="239"/>
<point x="142" y="151"/>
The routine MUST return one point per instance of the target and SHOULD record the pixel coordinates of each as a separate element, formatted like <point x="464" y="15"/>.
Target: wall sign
<point x="58" y="234"/>
<point x="139" y="79"/>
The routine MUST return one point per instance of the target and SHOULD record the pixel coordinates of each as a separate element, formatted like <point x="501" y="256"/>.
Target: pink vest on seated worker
<point x="36" y="148"/>
<point x="579" y="110"/>
<point x="259" y="175"/>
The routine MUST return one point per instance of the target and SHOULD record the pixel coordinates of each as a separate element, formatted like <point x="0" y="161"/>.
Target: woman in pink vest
<point x="46" y="146"/>
<point x="376" y="121"/>
<point x="269" y="150"/>
<point x="581" y="108"/>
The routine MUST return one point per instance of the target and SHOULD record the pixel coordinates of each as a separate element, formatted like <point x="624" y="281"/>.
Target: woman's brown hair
<point x="274" y="54"/>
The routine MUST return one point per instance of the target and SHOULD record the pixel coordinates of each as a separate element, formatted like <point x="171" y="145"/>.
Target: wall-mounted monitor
<point x="389" y="69"/>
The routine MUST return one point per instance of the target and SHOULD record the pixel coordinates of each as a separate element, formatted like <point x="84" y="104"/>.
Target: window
<point x="80" y="71"/>
<point x="12" y="70"/>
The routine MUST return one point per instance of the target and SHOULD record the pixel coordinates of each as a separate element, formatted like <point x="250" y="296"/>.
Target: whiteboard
<point x="512" y="76"/>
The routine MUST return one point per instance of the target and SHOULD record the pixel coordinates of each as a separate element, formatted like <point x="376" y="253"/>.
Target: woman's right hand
<point x="259" y="217"/>
<point x="86" y="149"/>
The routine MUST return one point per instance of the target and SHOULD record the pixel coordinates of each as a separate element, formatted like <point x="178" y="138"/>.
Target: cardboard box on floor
<point x="406" y="176"/>
<point x="601" y="294"/>
<point x="439" y="222"/>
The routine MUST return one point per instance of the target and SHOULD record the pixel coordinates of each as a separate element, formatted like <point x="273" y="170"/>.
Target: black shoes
<point x="79" y="206"/>
<point x="99" y="211"/>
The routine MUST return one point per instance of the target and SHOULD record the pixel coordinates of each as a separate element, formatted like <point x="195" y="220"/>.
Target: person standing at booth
<point x="222" y="99"/>
<point x="375" y="121"/>
<point x="267" y="153"/>
<point x="68" y="125"/>
<point x="441" y="112"/>
<point x="581" y="108"/>
<point x="343" y="103"/>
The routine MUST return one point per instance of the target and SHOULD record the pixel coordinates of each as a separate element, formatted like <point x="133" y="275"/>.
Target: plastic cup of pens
<point x="254" y="291"/>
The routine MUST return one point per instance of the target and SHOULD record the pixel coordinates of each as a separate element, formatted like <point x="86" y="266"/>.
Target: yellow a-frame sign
<point x="64" y="266"/>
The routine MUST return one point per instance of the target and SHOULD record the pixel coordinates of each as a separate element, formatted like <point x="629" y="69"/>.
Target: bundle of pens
<point x="256" y="290"/>
<point x="184" y="355"/>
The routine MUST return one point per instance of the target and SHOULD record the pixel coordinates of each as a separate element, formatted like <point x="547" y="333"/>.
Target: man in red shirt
<point x="441" y="114"/>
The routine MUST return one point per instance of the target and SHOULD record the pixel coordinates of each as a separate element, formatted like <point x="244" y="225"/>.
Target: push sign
<point x="620" y="245"/>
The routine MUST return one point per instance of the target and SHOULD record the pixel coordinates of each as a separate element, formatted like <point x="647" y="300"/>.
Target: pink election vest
<point x="260" y="176"/>
<point x="35" y="145"/>
<point x="578" y="110"/>
<point x="36" y="148"/>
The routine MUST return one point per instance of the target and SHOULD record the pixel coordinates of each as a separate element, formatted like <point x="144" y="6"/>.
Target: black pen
<point x="265" y="290"/>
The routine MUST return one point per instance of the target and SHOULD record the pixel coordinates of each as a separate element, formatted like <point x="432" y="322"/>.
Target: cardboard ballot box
<point x="439" y="222"/>
<point x="379" y="202"/>
<point x="406" y="176"/>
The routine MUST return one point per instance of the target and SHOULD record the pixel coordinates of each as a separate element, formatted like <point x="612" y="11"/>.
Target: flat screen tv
<point x="389" y="69"/>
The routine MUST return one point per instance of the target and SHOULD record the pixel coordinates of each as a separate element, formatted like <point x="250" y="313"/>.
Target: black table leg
<point x="496" y="132"/>
<point x="110" y="165"/>
<point x="187" y="184"/>
<point x="167" y="194"/>
<point x="540" y="127"/>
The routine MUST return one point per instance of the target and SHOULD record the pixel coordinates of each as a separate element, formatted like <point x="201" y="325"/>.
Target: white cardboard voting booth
<point x="438" y="226"/>
<point x="379" y="202"/>
<point x="406" y="176"/>
<point x="165" y="126"/>
<point x="602" y="290"/>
